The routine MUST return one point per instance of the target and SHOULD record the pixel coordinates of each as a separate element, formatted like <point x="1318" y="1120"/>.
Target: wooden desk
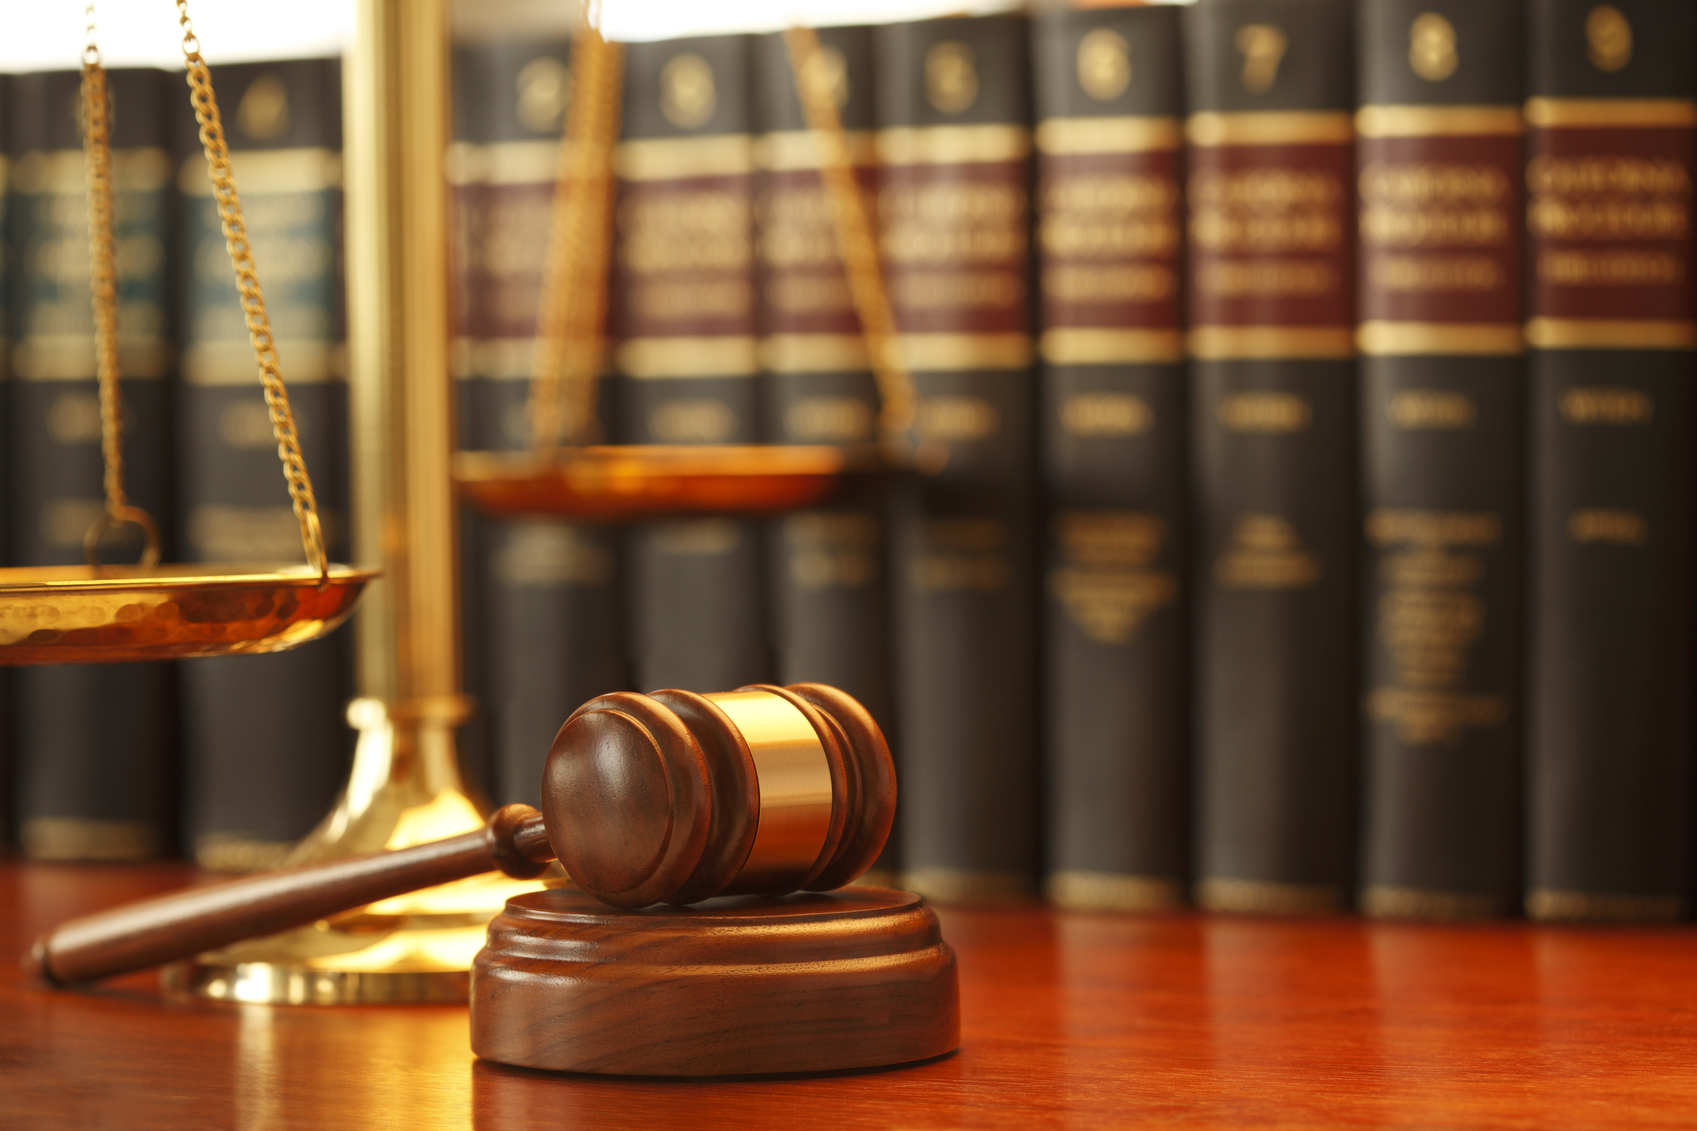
<point x="1069" y="1021"/>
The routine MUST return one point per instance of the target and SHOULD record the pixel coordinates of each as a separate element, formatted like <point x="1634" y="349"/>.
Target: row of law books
<point x="1316" y="382"/>
<point x="1316" y="378"/>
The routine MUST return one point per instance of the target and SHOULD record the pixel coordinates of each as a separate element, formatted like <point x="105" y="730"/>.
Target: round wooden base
<point x="745" y="984"/>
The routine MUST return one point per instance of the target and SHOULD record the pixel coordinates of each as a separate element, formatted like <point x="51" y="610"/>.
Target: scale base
<point x="856" y="978"/>
<point x="404" y="789"/>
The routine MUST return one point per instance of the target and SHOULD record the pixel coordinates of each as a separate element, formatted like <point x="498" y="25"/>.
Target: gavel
<point x="669" y="797"/>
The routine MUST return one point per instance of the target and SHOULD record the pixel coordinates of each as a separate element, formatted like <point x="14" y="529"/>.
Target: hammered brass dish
<point x="80" y="615"/>
<point x="627" y="481"/>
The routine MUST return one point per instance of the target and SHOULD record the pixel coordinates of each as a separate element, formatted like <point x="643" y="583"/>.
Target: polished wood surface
<point x="808" y="982"/>
<point x="1067" y="1021"/>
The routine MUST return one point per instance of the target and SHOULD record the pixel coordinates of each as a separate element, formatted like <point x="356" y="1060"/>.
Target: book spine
<point x="954" y="145"/>
<point x="8" y="837"/>
<point x="1611" y="114"/>
<point x="828" y="579"/>
<point x="96" y="765"/>
<point x="1438" y="160"/>
<point x="686" y="355"/>
<point x="1113" y="419"/>
<point x="541" y="594"/>
<point x="264" y="738"/>
<point x="1273" y="414"/>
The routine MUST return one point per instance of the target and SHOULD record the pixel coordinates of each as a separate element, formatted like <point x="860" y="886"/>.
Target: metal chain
<point x="856" y="242"/>
<point x="103" y="295"/>
<point x="253" y="303"/>
<point x="572" y="319"/>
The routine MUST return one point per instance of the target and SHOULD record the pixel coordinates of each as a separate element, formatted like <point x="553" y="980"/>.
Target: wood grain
<point x="1068" y="1021"/>
<point x="736" y="985"/>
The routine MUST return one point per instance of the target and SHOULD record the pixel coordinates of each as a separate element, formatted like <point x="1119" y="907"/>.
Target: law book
<point x="265" y="744"/>
<point x="1611" y="116"/>
<point x="7" y="837"/>
<point x="953" y="108"/>
<point x="829" y="592"/>
<point x="1438" y="159"/>
<point x="1270" y="91"/>
<point x="96" y="767"/>
<point x="684" y="308"/>
<point x="1116" y="631"/>
<point x="541" y="618"/>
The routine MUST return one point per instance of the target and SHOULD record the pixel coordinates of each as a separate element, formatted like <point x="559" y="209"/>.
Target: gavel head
<point x="676" y="797"/>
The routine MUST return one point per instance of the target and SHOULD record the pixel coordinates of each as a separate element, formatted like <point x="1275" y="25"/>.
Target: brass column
<point x="405" y="786"/>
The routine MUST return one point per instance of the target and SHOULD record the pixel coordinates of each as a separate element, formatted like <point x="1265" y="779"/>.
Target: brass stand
<point x="405" y="787"/>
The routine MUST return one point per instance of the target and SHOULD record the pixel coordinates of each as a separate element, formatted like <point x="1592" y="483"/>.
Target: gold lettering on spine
<point x="1431" y="47"/>
<point x="961" y="555"/>
<point x="1107" y="582"/>
<point x="1429" y="617"/>
<point x="1614" y="527"/>
<point x="1431" y="410"/>
<point x="1608" y="38"/>
<point x="1266" y="553"/>
<point x="1104" y="64"/>
<point x="1606" y="404"/>
<point x="1263" y="48"/>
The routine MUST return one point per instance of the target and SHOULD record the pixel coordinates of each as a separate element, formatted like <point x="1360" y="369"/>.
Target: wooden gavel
<point x="669" y="797"/>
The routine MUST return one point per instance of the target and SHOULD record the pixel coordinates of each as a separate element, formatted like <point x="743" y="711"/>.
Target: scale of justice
<point x="706" y="927"/>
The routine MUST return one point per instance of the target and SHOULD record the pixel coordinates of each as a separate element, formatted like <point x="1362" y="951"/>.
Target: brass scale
<point x="98" y="613"/>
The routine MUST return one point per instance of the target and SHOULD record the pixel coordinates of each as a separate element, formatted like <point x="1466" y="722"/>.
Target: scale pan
<point x="77" y="615"/>
<point x="625" y="481"/>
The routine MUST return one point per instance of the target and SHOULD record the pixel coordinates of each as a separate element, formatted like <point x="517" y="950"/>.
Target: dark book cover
<point x="1610" y="116"/>
<point x="7" y="836"/>
<point x="96" y="750"/>
<point x="1116" y="634"/>
<point x="954" y="144"/>
<point x="684" y="308"/>
<point x="827" y="571"/>
<point x="1271" y="87"/>
<point x="542" y="618"/>
<point x="542" y="630"/>
<point x="265" y="742"/>
<point x="1438" y="154"/>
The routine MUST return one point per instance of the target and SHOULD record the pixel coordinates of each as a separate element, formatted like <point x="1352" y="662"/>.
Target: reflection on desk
<point x="1068" y="1020"/>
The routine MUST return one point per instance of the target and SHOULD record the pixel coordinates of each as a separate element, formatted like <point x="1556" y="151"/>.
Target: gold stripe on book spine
<point x="1384" y="901"/>
<point x="730" y="355"/>
<point x="787" y="150"/>
<point x="504" y="163"/>
<point x="965" y="351"/>
<point x="1468" y="339"/>
<point x="307" y="169"/>
<point x="1439" y="121"/>
<point x="61" y="171"/>
<point x="967" y="885"/>
<point x="1610" y="334"/>
<point x="1270" y="128"/>
<point x="1571" y="113"/>
<point x="953" y="145"/>
<point x="1093" y="346"/>
<point x="814" y="353"/>
<point x="1106" y="891"/>
<point x="667" y="159"/>
<point x="1263" y="897"/>
<point x="1081" y="136"/>
<point x="1549" y="905"/>
<point x="1233" y="343"/>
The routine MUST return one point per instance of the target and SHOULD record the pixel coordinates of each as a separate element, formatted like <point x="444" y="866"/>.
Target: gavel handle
<point x="184" y="923"/>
